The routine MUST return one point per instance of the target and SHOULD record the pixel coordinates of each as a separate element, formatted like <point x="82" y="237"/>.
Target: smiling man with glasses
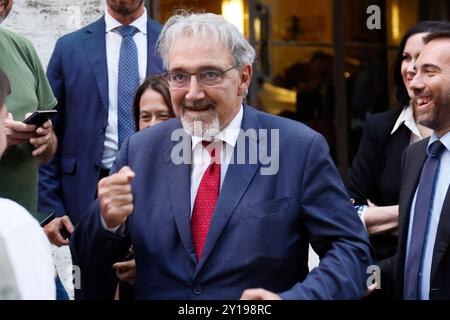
<point x="202" y="114"/>
<point x="215" y="229"/>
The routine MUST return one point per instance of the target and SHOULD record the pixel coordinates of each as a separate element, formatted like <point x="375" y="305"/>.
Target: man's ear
<point x="246" y="77"/>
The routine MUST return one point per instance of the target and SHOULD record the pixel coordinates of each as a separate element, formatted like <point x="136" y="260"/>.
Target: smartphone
<point x="46" y="221"/>
<point x="39" y="117"/>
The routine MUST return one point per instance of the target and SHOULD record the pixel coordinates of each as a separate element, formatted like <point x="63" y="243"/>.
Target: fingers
<point x="126" y="270"/>
<point x="115" y="197"/>
<point x="46" y="125"/>
<point x="14" y="137"/>
<point x="127" y="173"/>
<point x="125" y="265"/>
<point x="259" y="294"/>
<point x="126" y="276"/>
<point x="18" y="126"/>
<point x="122" y="177"/>
<point x="41" y="144"/>
<point x="107" y="186"/>
<point x="370" y="203"/>
<point x="19" y="132"/>
<point x="67" y="223"/>
<point x="45" y="140"/>
<point x="53" y="232"/>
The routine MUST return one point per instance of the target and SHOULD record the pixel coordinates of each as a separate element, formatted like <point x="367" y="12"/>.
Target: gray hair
<point x="202" y="26"/>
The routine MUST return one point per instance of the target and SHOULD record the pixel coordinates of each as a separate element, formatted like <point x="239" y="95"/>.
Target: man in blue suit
<point x="83" y="73"/>
<point x="223" y="202"/>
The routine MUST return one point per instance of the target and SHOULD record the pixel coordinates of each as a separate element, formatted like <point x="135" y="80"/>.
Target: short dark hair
<point x="401" y="94"/>
<point x="437" y="35"/>
<point x="157" y="83"/>
<point x="5" y="88"/>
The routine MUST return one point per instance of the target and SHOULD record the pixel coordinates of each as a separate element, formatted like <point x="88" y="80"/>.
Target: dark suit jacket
<point x="414" y="159"/>
<point x="259" y="232"/>
<point x="78" y="75"/>
<point x="375" y="172"/>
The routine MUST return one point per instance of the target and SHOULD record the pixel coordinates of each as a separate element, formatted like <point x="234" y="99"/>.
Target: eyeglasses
<point x="206" y="78"/>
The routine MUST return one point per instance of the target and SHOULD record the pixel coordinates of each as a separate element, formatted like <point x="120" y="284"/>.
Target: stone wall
<point x="44" y="21"/>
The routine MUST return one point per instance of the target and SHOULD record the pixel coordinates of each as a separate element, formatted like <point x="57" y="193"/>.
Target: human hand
<point x="54" y="228"/>
<point x="18" y="132"/>
<point x="126" y="271"/>
<point x="371" y="204"/>
<point x="115" y="197"/>
<point x="259" y="294"/>
<point x="45" y="141"/>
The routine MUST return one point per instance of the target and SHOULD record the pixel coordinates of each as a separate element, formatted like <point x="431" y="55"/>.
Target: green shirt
<point x="30" y="90"/>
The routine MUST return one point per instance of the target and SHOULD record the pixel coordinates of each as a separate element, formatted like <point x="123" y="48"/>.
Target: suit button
<point x="197" y="290"/>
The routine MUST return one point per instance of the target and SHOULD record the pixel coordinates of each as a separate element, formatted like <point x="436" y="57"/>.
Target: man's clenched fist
<point x="116" y="198"/>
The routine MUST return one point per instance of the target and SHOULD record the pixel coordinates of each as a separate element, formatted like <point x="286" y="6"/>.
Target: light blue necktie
<point x="128" y="81"/>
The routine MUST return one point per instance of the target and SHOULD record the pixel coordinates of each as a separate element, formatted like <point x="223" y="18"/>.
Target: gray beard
<point x="200" y="128"/>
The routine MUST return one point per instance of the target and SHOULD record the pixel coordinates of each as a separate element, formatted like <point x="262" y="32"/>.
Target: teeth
<point x="422" y="101"/>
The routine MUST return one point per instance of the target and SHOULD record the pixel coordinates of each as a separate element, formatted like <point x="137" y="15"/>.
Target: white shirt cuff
<point x="113" y="230"/>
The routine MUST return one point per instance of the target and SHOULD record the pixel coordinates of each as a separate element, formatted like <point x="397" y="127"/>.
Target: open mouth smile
<point x="423" y="102"/>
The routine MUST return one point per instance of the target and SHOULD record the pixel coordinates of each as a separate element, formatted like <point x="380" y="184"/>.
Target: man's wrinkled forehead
<point x="182" y="47"/>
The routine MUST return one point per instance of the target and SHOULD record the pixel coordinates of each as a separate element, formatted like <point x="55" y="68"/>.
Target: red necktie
<point x="206" y="198"/>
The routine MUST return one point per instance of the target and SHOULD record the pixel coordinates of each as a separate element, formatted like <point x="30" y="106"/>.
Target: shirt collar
<point x="445" y="140"/>
<point x="229" y="134"/>
<point x="140" y="23"/>
<point x="406" y="117"/>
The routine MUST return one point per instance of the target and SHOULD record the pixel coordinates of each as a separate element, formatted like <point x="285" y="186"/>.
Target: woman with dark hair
<point x="152" y="103"/>
<point x="374" y="181"/>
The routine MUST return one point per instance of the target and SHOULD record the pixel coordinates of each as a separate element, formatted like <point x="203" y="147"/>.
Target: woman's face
<point x="412" y="50"/>
<point x="152" y="109"/>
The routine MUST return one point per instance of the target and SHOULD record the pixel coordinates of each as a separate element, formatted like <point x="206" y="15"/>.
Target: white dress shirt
<point x="29" y="252"/>
<point x="407" y="117"/>
<point x="201" y="157"/>
<point x="113" y="43"/>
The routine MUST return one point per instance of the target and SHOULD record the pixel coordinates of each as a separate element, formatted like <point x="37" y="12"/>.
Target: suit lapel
<point x="154" y="65"/>
<point x="442" y="236"/>
<point x="179" y="176"/>
<point x="411" y="176"/>
<point x="236" y="182"/>
<point x="95" y="45"/>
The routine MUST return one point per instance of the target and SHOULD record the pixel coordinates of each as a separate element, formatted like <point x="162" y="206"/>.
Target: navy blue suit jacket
<point x="259" y="232"/>
<point x="393" y="272"/>
<point x="78" y="75"/>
